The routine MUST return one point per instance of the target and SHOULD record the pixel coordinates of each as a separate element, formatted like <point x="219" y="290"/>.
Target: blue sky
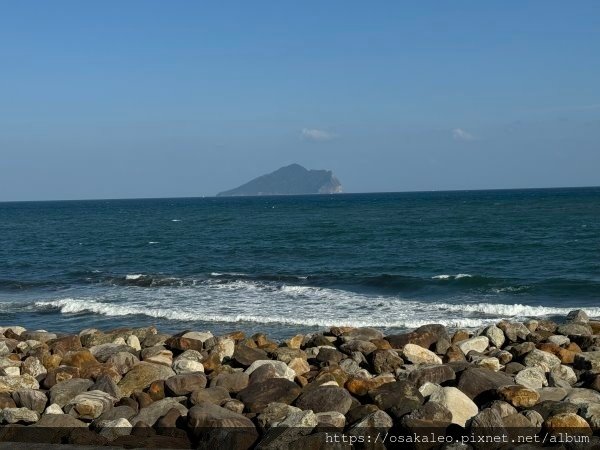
<point x="147" y="98"/>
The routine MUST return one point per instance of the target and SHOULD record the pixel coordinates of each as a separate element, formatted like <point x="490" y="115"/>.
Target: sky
<point x="145" y="98"/>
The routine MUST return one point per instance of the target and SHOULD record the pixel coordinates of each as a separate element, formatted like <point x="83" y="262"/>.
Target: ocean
<point x="284" y="265"/>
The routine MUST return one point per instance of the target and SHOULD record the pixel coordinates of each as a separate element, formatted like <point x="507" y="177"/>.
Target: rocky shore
<point x="506" y="385"/>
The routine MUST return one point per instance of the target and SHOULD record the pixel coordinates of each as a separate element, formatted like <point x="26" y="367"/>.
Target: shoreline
<point x="138" y="387"/>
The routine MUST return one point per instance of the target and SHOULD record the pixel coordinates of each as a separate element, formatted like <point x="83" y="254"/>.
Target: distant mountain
<point x="289" y="180"/>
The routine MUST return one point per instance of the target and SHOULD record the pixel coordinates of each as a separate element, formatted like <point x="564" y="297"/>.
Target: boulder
<point x="544" y="360"/>
<point x="588" y="361"/>
<point x="481" y="384"/>
<point x="63" y="392"/>
<point x="519" y="396"/>
<point x="425" y="336"/>
<point x="141" y="375"/>
<point x="495" y="335"/>
<point x="331" y="420"/>
<point x="568" y="422"/>
<point x="461" y="406"/>
<point x="258" y="395"/>
<point x="325" y="398"/>
<point x="184" y="384"/>
<point x="514" y="331"/>
<point x="183" y="366"/>
<point x="123" y="361"/>
<point x="11" y="384"/>
<point x="532" y="377"/>
<point x="385" y="361"/>
<point x="478" y="344"/>
<point x="89" y="405"/>
<point x="112" y="429"/>
<point x="155" y="410"/>
<point x="245" y="356"/>
<point x="18" y="415"/>
<point x="295" y="425"/>
<point x="398" y="398"/>
<point x="216" y="395"/>
<point x="233" y="382"/>
<point x="281" y="369"/>
<point x="420" y="355"/>
<point x="30" y="399"/>
<point x="437" y="374"/>
<point x="574" y="329"/>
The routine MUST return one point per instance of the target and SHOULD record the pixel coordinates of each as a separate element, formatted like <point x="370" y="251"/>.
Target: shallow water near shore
<point x="284" y="265"/>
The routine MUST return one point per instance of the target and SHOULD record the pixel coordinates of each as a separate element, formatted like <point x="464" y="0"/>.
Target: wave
<point x="458" y="276"/>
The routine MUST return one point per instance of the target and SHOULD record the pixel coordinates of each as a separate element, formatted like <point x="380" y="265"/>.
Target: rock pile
<point x="141" y="388"/>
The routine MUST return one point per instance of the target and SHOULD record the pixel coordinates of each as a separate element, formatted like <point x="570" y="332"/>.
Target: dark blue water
<point x="289" y="264"/>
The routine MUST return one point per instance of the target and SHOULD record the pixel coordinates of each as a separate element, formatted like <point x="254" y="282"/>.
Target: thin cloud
<point x="313" y="134"/>
<point x="458" y="134"/>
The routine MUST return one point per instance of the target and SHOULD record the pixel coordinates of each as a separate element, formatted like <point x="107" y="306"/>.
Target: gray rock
<point x="106" y="384"/>
<point x="580" y="396"/>
<point x="331" y="420"/>
<point x="281" y="368"/>
<point x="15" y="415"/>
<point x="561" y="375"/>
<point x="552" y="393"/>
<point x="30" y="399"/>
<point x="574" y="329"/>
<point x="273" y="414"/>
<point x="123" y="361"/>
<point x="461" y="406"/>
<point x="215" y="394"/>
<point x="11" y="384"/>
<point x="89" y="405"/>
<point x="295" y="425"/>
<point x="544" y="360"/>
<point x="532" y="377"/>
<point x="112" y="429"/>
<point x="495" y="336"/>
<point x="385" y="361"/>
<point x="325" y="398"/>
<point x="578" y="316"/>
<point x="477" y="344"/>
<point x="155" y="410"/>
<point x="63" y="392"/>
<point x="587" y="361"/>
<point x="514" y="331"/>
<point x="185" y="383"/>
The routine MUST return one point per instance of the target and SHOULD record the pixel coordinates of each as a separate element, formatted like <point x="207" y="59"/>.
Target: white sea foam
<point x="458" y="276"/>
<point x="135" y="276"/>
<point x="252" y="301"/>
<point x="153" y="242"/>
<point x="175" y="220"/>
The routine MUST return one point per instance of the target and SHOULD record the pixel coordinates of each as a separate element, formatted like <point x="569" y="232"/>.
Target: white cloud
<point x="312" y="134"/>
<point x="461" y="135"/>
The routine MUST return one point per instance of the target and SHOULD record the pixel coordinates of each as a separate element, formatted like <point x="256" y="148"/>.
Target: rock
<point x="487" y="362"/>
<point x="364" y="347"/>
<point x="578" y="316"/>
<point x="220" y="428"/>
<point x="123" y="361"/>
<point x="295" y="342"/>
<point x="299" y="365"/>
<point x="89" y="405"/>
<point x="103" y="352"/>
<point x="185" y="384"/>
<point x="419" y="355"/>
<point x="34" y="367"/>
<point x="105" y="384"/>
<point x="117" y="412"/>
<point x="552" y="393"/>
<point x="281" y="369"/>
<point x="273" y="414"/>
<point x="461" y="406"/>
<point x="258" y="395"/>
<point x="588" y="361"/>
<point x="30" y="399"/>
<point x="377" y="420"/>
<point x="42" y="336"/>
<point x="245" y="355"/>
<point x="591" y="413"/>
<point x="329" y="355"/>
<point x="559" y="340"/>
<point x="295" y="425"/>
<point x="16" y="415"/>
<point x="11" y="384"/>
<point x="331" y="420"/>
<point x="158" y="355"/>
<point x="180" y="343"/>
<point x="141" y="375"/>
<point x="495" y="335"/>
<point x="386" y="361"/>
<point x="532" y="377"/>
<point x="425" y="336"/>
<point x="201" y="336"/>
<point x="216" y="395"/>
<point x="514" y="331"/>
<point x="562" y="374"/>
<point x="486" y="423"/>
<point x="580" y="396"/>
<point x="534" y="417"/>
<point x="481" y="384"/>
<point x="398" y="398"/>
<point x="503" y="408"/>
<point x="325" y="398"/>
<point x="54" y="409"/>
<point x="437" y="374"/>
<point x="477" y="344"/>
<point x="362" y="334"/>
<point x="519" y="396"/>
<point x="112" y="429"/>
<point x="183" y="366"/>
<point x="79" y="358"/>
<point x="545" y="361"/>
<point x="568" y="422"/>
<point x="233" y="382"/>
<point x="151" y="413"/>
<point x="574" y="329"/>
<point x="63" y="392"/>
<point x="360" y="386"/>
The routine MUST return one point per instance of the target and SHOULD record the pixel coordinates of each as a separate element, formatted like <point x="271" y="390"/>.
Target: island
<point x="289" y="180"/>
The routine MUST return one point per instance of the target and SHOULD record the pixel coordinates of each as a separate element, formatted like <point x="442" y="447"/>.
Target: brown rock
<point x="156" y="391"/>
<point x="258" y="395"/>
<point x="245" y="356"/>
<point x="567" y="423"/>
<point x="185" y="383"/>
<point x="233" y="382"/>
<point x="460" y="335"/>
<point x="433" y="374"/>
<point x="453" y="354"/>
<point x="79" y="358"/>
<point x="216" y="395"/>
<point x="142" y="375"/>
<point x="361" y="386"/>
<point x="425" y="336"/>
<point x="481" y="384"/>
<point x="51" y="361"/>
<point x="101" y="370"/>
<point x="519" y="396"/>
<point x="64" y="344"/>
<point x="180" y="343"/>
<point x="143" y="399"/>
<point x="60" y="374"/>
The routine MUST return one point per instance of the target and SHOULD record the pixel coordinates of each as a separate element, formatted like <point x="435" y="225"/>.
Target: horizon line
<point x="300" y="195"/>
